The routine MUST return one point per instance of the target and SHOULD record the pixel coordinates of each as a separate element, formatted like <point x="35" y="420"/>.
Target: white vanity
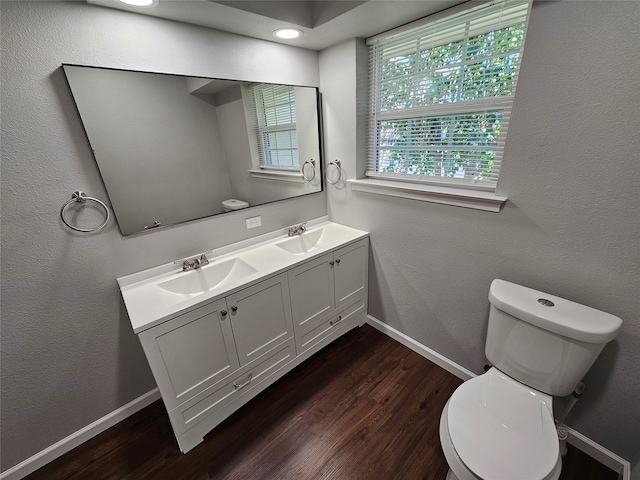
<point x="218" y="335"/>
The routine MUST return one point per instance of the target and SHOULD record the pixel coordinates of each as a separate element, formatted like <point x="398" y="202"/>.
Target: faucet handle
<point x="203" y="260"/>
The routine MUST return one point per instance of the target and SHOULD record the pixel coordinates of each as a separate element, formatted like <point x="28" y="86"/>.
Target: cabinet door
<point x="312" y="290"/>
<point x="261" y="317"/>
<point x="350" y="272"/>
<point x="191" y="352"/>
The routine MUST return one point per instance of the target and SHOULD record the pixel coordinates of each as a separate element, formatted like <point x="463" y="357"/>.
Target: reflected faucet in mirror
<point x="231" y="144"/>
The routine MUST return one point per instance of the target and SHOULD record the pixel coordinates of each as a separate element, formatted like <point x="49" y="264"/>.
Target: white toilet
<point x="234" y="204"/>
<point x="500" y="425"/>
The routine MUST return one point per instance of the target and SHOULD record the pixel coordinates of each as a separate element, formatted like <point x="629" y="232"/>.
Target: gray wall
<point x="570" y="228"/>
<point x="69" y="356"/>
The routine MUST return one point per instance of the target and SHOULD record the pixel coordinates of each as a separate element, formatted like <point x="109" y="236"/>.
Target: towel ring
<point x="336" y="163"/>
<point x="311" y="162"/>
<point x="81" y="197"/>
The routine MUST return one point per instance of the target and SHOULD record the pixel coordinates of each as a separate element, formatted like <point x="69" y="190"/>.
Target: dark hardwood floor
<point x="365" y="407"/>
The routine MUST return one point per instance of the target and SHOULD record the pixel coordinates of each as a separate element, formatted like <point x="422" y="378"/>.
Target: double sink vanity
<point x="217" y="335"/>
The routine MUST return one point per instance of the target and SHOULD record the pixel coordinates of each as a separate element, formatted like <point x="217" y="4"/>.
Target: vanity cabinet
<point x="212" y="357"/>
<point x="191" y="352"/>
<point x="338" y="281"/>
<point x="197" y="350"/>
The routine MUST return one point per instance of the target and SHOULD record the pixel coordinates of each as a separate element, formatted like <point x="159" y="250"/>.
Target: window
<point x="276" y="132"/>
<point x="441" y="95"/>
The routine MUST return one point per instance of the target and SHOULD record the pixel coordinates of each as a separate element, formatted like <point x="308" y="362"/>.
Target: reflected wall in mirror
<point x="173" y="148"/>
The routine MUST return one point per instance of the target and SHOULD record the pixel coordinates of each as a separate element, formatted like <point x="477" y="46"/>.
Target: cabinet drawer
<point x="208" y="402"/>
<point x="322" y="330"/>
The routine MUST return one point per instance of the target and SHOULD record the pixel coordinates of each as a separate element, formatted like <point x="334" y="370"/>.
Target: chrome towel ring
<point x="81" y="197"/>
<point x="336" y="163"/>
<point x="311" y="162"/>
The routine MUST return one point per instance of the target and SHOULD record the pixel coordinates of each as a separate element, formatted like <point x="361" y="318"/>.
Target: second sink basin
<point x="301" y="243"/>
<point x="208" y="277"/>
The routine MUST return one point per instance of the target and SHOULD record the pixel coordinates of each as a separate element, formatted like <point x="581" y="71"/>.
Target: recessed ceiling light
<point x="287" y="33"/>
<point x="140" y="3"/>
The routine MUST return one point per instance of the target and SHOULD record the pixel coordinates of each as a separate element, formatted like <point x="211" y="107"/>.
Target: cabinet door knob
<point x="234" y="308"/>
<point x="338" y="261"/>
<point x="223" y="313"/>
<point x="331" y="263"/>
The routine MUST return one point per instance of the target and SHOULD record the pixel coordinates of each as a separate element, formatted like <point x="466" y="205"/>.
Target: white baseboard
<point x="588" y="446"/>
<point x="606" y="457"/>
<point x="451" y="367"/>
<point x="58" y="449"/>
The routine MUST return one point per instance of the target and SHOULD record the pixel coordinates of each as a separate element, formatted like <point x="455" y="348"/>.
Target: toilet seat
<point x="503" y="429"/>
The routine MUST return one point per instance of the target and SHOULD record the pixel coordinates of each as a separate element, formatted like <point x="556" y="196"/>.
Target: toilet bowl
<point x="500" y="425"/>
<point x="502" y="429"/>
<point x="233" y="204"/>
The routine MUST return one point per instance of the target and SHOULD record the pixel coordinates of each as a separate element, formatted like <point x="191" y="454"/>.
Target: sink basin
<point x="302" y="243"/>
<point x="208" y="277"/>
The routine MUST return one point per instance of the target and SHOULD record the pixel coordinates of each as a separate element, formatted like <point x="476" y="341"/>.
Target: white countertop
<point x="149" y="305"/>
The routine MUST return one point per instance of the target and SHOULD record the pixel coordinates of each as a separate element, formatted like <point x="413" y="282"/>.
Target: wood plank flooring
<point x="365" y="407"/>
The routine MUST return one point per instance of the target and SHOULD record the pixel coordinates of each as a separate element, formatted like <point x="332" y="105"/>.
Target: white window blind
<point x="441" y="96"/>
<point x="275" y="110"/>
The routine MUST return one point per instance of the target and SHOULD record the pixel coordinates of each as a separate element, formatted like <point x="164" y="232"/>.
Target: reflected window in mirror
<point x="276" y="131"/>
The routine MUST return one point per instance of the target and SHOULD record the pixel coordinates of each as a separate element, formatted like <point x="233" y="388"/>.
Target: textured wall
<point x="570" y="227"/>
<point x="68" y="354"/>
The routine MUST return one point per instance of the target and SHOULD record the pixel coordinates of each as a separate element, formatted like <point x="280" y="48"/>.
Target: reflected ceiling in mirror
<point x="173" y="148"/>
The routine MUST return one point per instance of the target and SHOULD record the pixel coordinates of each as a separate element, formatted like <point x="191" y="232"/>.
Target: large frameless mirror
<point x="173" y="148"/>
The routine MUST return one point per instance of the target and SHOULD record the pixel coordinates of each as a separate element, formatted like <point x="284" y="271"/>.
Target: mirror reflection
<point x="173" y="148"/>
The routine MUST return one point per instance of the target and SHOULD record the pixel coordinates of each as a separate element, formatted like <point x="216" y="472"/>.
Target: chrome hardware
<point x="238" y="386"/>
<point x="311" y="162"/>
<point x="81" y="197"/>
<point x="234" y="308"/>
<point x="338" y="164"/>
<point x="203" y="260"/>
<point x="194" y="263"/>
<point x="296" y="230"/>
<point x="155" y="224"/>
<point x="223" y="313"/>
<point x="335" y="322"/>
<point x="546" y="303"/>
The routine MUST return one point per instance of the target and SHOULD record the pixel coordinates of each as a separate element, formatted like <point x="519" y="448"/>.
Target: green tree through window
<point x="442" y="94"/>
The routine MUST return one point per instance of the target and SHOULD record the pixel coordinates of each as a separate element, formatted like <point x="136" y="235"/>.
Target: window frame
<point x="438" y="188"/>
<point x="262" y="129"/>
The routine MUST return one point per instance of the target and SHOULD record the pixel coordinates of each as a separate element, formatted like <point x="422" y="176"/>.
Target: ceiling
<point x="323" y="22"/>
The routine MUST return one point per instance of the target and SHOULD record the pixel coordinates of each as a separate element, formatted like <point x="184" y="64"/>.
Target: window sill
<point x="273" y="175"/>
<point x="459" y="197"/>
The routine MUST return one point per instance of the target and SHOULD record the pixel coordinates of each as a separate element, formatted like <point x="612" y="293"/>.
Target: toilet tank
<point x="544" y="341"/>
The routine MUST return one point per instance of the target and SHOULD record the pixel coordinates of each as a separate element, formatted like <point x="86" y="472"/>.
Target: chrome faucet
<point x="195" y="263"/>
<point x="296" y="230"/>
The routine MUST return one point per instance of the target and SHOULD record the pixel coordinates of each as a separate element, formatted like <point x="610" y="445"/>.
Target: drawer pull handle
<point x="239" y="386"/>
<point x="335" y="322"/>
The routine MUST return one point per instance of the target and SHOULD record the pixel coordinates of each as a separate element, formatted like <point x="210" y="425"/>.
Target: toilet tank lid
<point x="554" y="314"/>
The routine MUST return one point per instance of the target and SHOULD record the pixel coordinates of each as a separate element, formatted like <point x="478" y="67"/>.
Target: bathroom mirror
<point x="173" y="148"/>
